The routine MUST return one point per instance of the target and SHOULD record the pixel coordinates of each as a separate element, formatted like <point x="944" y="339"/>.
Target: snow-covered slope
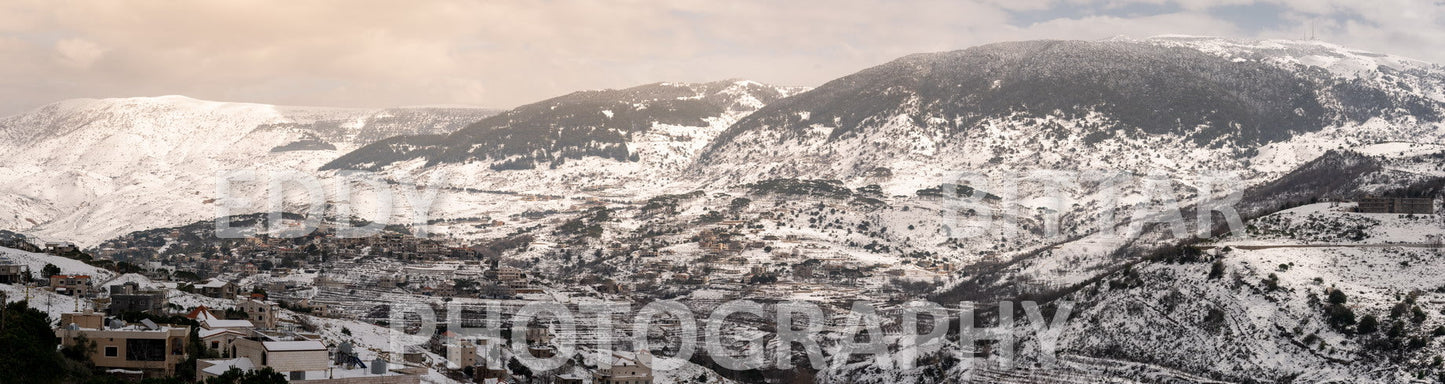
<point x="37" y="261"/>
<point x="634" y="138"/>
<point x="44" y="300"/>
<point x="1253" y="308"/>
<point x="87" y="170"/>
<point x="1176" y="104"/>
<point x="1267" y="316"/>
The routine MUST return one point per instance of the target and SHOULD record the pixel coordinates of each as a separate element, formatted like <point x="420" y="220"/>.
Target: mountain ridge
<point x="591" y="123"/>
<point x="88" y="169"/>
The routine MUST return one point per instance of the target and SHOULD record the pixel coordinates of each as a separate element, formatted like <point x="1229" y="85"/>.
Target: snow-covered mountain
<point x="585" y="140"/>
<point x="1174" y="103"/>
<point x="87" y="170"/>
<point x="854" y="173"/>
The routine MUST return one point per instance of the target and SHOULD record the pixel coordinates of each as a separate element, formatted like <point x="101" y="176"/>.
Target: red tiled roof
<point x="195" y="313"/>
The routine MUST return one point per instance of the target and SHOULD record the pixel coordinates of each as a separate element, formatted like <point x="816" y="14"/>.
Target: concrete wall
<point x="299" y="361"/>
<point x="174" y="339"/>
<point x="283" y="361"/>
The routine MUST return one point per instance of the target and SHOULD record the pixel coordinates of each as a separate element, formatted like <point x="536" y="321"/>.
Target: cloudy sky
<point x="503" y="53"/>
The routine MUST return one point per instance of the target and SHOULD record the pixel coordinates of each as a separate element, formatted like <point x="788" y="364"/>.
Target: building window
<point x="145" y="350"/>
<point x="112" y="351"/>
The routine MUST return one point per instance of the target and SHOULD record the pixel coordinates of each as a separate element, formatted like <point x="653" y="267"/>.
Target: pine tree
<point x="29" y="354"/>
<point x="1337" y="297"/>
<point x="1369" y="324"/>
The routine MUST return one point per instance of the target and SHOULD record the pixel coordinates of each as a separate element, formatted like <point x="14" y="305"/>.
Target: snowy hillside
<point x="1173" y="105"/>
<point x="87" y="170"/>
<point x="46" y="301"/>
<point x="582" y="141"/>
<point x="1266" y="313"/>
<point x="1257" y="308"/>
<point x="37" y="261"/>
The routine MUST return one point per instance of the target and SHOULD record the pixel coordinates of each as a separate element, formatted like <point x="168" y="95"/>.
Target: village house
<point x="462" y="354"/>
<point x="303" y="361"/>
<point x="12" y="272"/>
<point x="429" y="247"/>
<point x="467" y="353"/>
<point x="512" y="279"/>
<point x="199" y="313"/>
<point x="214" y="266"/>
<point x="221" y="340"/>
<point x="88" y="319"/>
<point x="154" y="349"/>
<point x="211" y="322"/>
<point x="390" y="281"/>
<point x="130" y="297"/>
<point x="507" y="275"/>
<point x="317" y="308"/>
<point x="261" y="313"/>
<point x="217" y="288"/>
<point x="216" y="333"/>
<point x="625" y="369"/>
<point x="73" y="285"/>
<point x="60" y="247"/>
<point x="282" y="356"/>
<point x="489" y="375"/>
<point x="538" y="334"/>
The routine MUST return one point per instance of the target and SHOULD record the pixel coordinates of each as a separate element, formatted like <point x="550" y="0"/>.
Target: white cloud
<point x="78" y="53"/>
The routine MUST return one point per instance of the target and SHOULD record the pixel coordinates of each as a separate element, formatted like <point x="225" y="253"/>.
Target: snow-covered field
<point x="37" y="261"/>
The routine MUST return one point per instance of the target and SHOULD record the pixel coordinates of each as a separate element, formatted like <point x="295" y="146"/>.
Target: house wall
<point x="139" y="302"/>
<point x="116" y="341"/>
<point x="631" y="373"/>
<point x="83" y="320"/>
<point x="1397" y="205"/>
<point x="1416" y="206"/>
<point x="74" y="285"/>
<point x="299" y="361"/>
<point x="282" y="361"/>
<point x="462" y="355"/>
<point x="260" y="313"/>
<point x="250" y="349"/>
<point x="11" y="273"/>
<point x="222" y="342"/>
